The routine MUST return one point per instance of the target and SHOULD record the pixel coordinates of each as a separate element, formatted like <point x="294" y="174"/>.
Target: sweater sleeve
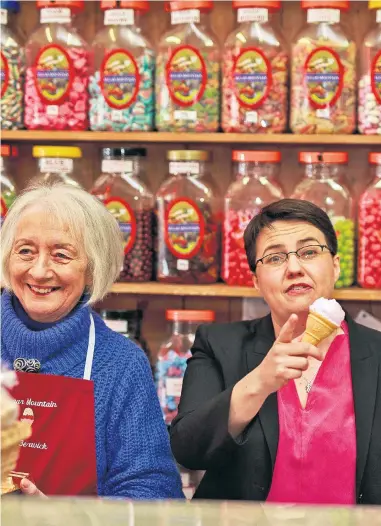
<point x="140" y="464"/>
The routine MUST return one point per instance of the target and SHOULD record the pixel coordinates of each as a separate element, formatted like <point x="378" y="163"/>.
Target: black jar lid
<point x="123" y="152"/>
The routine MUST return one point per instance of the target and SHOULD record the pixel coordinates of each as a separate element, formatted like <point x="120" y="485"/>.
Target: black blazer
<point x="222" y="354"/>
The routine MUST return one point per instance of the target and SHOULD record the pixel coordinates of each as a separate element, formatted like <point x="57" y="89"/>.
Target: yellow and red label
<point x="53" y="74"/>
<point x="184" y="228"/>
<point x="4" y="72"/>
<point x="324" y="75"/>
<point x="125" y="216"/>
<point x="252" y="77"/>
<point x="120" y="79"/>
<point x="186" y="75"/>
<point x="376" y="76"/>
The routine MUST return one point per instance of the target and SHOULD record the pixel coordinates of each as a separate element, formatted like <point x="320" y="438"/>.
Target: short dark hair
<point x="287" y="210"/>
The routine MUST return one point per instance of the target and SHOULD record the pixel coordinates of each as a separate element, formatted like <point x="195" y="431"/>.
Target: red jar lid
<point x="267" y="4"/>
<point x="255" y="156"/>
<point x="138" y="5"/>
<point x="8" y="151"/>
<point x="323" y="157"/>
<point x="185" y="4"/>
<point x="190" y="315"/>
<point x="75" y="5"/>
<point x="375" y="157"/>
<point x="325" y="4"/>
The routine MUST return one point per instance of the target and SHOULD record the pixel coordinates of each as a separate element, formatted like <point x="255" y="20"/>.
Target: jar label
<point x="3" y="17"/>
<point x="57" y="15"/>
<point x="120" y="79"/>
<point x="252" y="77"/>
<point x="376" y="77"/>
<point x="116" y="166"/>
<point x="126" y="218"/>
<point x="4" y="71"/>
<point x="120" y="326"/>
<point x="185" y="16"/>
<point x="323" y="15"/>
<point x="56" y="165"/>
<point x="173" y="386"/>
<point x="184" y="167"/>
<point x="252" y="14"/>
<point x="186" y="75"/>
<point x="184" y="228"/>
<point x="324" y="77"/>
<point x="53" y="74"/>
<point x="119" y="17"/>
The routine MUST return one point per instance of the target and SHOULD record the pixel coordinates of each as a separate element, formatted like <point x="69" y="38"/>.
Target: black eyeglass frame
<point x="287" y="254"/>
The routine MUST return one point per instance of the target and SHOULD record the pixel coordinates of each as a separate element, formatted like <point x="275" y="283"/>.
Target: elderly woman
<point x="97" y="421"/>
<point x="271" y="417"/>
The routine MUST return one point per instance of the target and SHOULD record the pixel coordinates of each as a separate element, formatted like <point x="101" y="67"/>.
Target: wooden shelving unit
<point x="199" y="138"/>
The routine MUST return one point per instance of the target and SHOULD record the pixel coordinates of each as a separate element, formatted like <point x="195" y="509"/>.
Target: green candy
<point x="345" y="232"/>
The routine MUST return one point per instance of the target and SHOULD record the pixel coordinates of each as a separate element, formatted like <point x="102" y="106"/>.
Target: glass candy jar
<point x="7" y="184"/>
<point x="255" y="71"/>
<point x="323" y="184"/>
<point x="58" y="164"/>
<point x="255" y="185"/>
<point x="12" y="71"/>
<point x="188" y="221"/>
<point x="125" y="194"/>
<point x="323" y="72"/>
<point x="369" y="91"/>
<point x="369" y="229"/>
<point x="122" y="84"/>
<point x="187" y="71"/>
<point x="57" y="74"/>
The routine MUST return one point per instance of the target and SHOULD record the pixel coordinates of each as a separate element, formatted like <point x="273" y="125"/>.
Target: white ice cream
<point x="329" y="309"/>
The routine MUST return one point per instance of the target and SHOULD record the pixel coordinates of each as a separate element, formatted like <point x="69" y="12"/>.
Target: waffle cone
<point x="10" y="445"/>
<point x="318" y="328"/>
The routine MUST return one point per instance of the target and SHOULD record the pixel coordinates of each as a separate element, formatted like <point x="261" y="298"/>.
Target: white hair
<point x="93" y="227"/>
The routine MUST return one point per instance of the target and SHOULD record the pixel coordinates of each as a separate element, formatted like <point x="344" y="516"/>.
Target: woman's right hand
<point x="286" y="360"/>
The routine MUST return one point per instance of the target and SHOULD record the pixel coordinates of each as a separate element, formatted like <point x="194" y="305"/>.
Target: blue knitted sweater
<point x="134" y="459"/>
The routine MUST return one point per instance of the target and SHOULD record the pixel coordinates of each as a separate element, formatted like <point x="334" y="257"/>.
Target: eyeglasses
<point x="305" y="254"/>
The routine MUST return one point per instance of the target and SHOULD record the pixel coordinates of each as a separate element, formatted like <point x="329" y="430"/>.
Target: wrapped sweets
<point x="324" y="318"/>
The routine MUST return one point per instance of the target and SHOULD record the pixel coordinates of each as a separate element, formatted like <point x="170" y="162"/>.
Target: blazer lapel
<point x="364" y="367"/>
<point x="256" y="350"/>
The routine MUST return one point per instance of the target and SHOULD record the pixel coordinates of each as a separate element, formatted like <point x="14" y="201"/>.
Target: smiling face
<point x="47" y="269"/>
<point x="294" y="285"/>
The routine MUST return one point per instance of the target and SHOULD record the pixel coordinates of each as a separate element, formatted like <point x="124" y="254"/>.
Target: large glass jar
<point x="255" y="71"/>
<point x="7" y="184"/>
<point x="57" y="59"/>
<point x="369" y="103"/>
<point x="369" y="229"/>
<point x="122" y="84"/>
<point x="187" y="71"/>
<point x="323" y="184"/>
<point x="127" y="197"/>
<point x="188" y="221"/>
<point x="12" y="71"/>
<point x="323" y="72"/>
<point x="255" y="185"/>
<point x="58" y="164"/>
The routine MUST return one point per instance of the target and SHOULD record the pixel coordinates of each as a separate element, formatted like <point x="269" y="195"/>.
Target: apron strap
<point x="90" y="350"/>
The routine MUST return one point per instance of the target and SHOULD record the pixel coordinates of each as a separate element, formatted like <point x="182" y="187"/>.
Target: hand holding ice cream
<point x="324" y="318"/>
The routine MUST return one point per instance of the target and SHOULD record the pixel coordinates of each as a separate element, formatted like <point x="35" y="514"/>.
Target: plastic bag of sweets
<point x="369" y="229"/>
<point x="188" y="71"/>
<point x="369" y="94"/>
<point x="255" y="71"/>
<point x="323" y="72"/>
<point x="126" y="196"/>
<point x="12" y="71"/>
<point x="323" y="184"/>
<point x="188" y="219"/>
<point x="57" y="58"/>
<point x="254" y="186"/>
<point x="7" y="184"/>
<point x="122" y="84"/>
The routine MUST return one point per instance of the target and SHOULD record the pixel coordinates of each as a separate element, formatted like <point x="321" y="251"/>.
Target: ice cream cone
<point x="318" y="328"/>
<point x="10" y="444"/>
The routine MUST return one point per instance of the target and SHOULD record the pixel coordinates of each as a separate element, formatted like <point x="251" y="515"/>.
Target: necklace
<point x="310" y="382"/>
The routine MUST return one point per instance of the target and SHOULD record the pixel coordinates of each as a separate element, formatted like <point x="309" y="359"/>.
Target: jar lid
<point x="266" y="4"/>
<point x="256" y="156"/>
<point x="138" y="5"/>
<point x="10" y="5"/>
<point x="124" y="152"/>
<point x="185" y="4"/>
<point x="72" y="152"/>
<point x="187" y="155"/>
<point x="325" y="4"/>
<point x="9" y="151"/>
<point x="190" y="315"/>
<point x="323" y="157"/>
<point x="374" y="4"/>
<point x="375" y="157"/>
<point x="75" y="5"/>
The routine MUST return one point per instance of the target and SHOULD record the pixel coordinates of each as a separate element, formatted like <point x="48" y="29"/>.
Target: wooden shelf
<point x="221" y="290"/>
<point x="163" y="137"/>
